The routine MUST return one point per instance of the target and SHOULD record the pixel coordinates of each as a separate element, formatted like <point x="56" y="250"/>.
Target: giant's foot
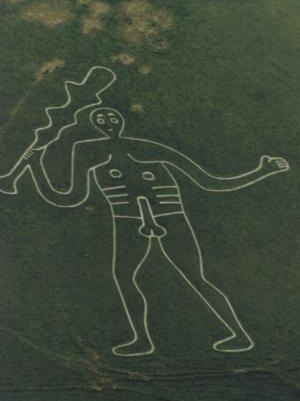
<point x="234" y="343"/>
<point x="7" y="185"/>
<point x="134" y="348"/>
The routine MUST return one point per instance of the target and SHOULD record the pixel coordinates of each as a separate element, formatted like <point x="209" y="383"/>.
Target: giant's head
<point x="109" y="121"/>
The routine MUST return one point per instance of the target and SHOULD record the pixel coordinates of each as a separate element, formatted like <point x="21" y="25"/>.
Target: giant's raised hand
<point x="29" y="158"/>
<point x="273" y="165"/>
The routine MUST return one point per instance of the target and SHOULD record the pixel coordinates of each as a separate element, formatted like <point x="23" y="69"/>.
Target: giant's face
<point x="108" y="121"/>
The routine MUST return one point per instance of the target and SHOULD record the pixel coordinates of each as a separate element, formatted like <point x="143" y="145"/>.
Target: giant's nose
<point x="113" y="129"/>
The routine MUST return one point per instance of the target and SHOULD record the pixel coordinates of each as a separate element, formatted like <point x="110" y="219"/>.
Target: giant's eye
<point x="100" y="120"/>
<point x="114" y="120"/>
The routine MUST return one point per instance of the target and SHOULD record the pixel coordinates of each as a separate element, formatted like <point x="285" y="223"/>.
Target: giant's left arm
<point x="170" y="157"/>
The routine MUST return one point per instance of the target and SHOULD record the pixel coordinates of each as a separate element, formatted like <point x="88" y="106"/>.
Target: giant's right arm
<point x="80" y="171"/>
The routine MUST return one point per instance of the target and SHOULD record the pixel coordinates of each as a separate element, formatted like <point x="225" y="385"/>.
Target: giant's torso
<point x="123" y="180"/>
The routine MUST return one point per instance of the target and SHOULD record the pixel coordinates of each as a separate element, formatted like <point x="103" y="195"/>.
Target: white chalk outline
<point x="117" y="196"/>
<point x="281" y="163"/>
<point x="282" y="166"/>
<point x="233" y="333"/>
<point x="177" y="159"/>
<point x="146" y="307"/>
<point x="137" y="269"/>
<point x="147" y="215"/>
<point x="28" y="152"/>
<point x="201" y="276"/>
<point x="69" y="99"/>
<point x="170" y="203"/>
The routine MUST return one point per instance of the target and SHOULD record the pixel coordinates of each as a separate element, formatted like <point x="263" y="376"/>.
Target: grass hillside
<point x="217" y="80"/>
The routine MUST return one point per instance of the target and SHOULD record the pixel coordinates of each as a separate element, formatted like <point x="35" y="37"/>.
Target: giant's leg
<point x="130" y="251"/>
<point x="191" y="271"/>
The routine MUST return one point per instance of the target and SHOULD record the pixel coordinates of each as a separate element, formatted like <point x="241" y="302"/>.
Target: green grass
<point x="224" y="92"/>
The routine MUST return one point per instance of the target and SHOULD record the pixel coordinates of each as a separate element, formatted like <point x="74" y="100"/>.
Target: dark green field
<point x="217" y="80"/>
